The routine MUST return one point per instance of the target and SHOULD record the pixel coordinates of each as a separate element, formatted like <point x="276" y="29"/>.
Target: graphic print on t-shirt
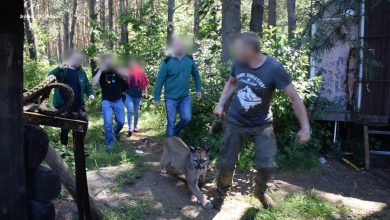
<point x="248" y="99"/>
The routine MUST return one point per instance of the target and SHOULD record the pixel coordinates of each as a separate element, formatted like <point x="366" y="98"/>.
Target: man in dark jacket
<point x="113" y="87"/>
<point x="175" y="73"/>
<point x="72" y="74"/>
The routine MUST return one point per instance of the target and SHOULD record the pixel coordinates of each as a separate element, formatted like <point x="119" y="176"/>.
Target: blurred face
<point x="131" y="64"/>
<point x="75" y="59"/>
<point x="108" y="62"/>
<point x="243" y="52"/>
<point x="178" y="47"/>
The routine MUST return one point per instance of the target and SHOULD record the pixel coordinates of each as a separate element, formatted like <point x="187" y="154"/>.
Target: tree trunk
<point x="48" y="51"/>
<point x="257" y="12"/>
<point x="292" y="18"/>
<point x="171" y="27"/>
<point x="12" y="158"/>
<point x="92" y="18"/>
<point x="124" y="31"/>
<point x="196" y="24"/>
<point x="272" y="13"/>
<point x="65" y="35"/>
<point x="59" y="46"/>
<point x="73" y="25"/>
<point x="231" y="25"/>
<point x="57" y="164"/>
<point x="111" y="20"/>
<point x="102" y="14"/>
<point x="32" y="46"/>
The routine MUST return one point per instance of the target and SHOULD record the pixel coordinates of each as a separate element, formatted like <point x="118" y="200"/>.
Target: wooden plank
<point x="334" y="116"/>
<point x="39" y="119"/>
<point x="379" y="132"/>
<point x="366" y="147"/>
<point x="12" y="164"/>
<point x="81" y="177"/>
<point x="379" y="120"/>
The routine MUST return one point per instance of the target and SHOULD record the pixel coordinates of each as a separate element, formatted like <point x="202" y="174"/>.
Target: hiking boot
<point x="129" y="133"/>
<point x="266" y="200"/>
<point x="261" y="179"/>
<point x="224" y="182"/>
<point x="218" y="202"/>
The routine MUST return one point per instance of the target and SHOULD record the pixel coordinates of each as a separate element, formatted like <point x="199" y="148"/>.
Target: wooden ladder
<point x="367" y="150"/>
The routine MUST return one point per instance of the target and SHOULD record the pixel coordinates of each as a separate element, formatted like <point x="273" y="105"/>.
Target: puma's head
<point x="200" y="157"/>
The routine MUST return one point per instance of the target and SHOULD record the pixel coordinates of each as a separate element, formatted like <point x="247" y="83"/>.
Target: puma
<point x="188" y="161"/>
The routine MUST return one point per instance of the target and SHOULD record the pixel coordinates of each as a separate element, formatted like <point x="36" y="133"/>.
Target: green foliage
<point x="136" y="209"/>
<point x="300" y="206"/>
<point x="34" y="72"/>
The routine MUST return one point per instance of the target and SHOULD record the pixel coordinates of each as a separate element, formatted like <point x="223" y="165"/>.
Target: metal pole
<point x="361" y="53"/>
<point x="336" y="123"/>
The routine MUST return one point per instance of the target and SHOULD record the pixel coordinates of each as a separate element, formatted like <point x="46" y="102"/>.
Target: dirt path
<point x="168" y="197"/>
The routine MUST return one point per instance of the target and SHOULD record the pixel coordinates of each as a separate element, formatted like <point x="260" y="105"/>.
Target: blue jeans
<point x="116" y="107"/>
<point x="173" y="106"/>
<point x="133" y="107"/>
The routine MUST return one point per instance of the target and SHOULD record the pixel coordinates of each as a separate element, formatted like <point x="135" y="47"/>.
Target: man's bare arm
<point x="303" y="135"/>
<point x="96" y="78"/>
<point x="227" y="92"/>
<point x="123" y="73"/>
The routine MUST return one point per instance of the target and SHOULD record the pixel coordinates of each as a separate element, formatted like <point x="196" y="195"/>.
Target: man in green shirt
<point x="72" y="74"/>
<point x="174" y="74"/>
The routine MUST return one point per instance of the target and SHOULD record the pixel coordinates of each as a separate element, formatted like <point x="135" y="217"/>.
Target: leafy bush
<point x="34" y="72"/>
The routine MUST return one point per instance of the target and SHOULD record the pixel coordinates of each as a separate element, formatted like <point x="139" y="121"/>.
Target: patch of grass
<point x="153" y="123"/>
<point x="122" y="154"/>
<point x="126" y="178"/>
<point x="298" y="206"/>
<point x="135" y="210"/>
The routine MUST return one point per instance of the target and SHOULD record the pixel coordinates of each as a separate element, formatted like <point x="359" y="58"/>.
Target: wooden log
<point x="56" y="163"/>
<point x="13" y="203"/>
<point x="59" y="122"/>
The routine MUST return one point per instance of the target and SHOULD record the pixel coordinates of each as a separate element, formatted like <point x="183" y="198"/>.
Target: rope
<point x="40" y="94"/>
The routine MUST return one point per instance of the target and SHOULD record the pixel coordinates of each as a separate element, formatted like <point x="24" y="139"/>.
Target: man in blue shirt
<point x="174" y="74"/>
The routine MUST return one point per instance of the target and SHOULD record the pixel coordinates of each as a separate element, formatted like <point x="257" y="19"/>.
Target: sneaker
<point x="129" y="133"/>
<point x="135" y="130"/>
<point x="118" y="136"/>
<point x="108" y="148"/>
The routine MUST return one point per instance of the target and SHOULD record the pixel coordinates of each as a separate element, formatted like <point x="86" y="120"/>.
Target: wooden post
<point x="366" y="147"/>
<point x="81" y="176"/>
<point x="57" y="164"/>
<point x="12" y="164"/>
